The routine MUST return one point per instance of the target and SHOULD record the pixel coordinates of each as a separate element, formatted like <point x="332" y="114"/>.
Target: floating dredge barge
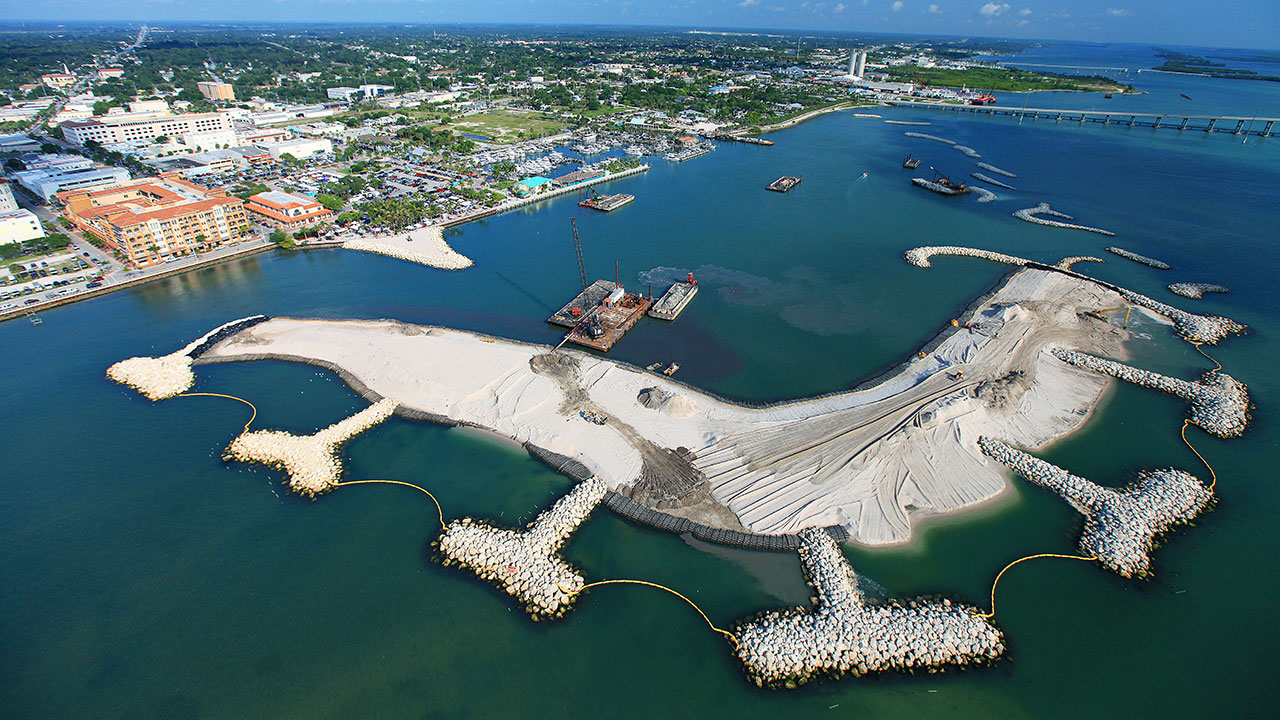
<point x="676" y="299"/>
<point x="600" y="315"/>
<point x="607" y="203"/>
<point x="783" y="184"/>
<point x="942" y="186"/>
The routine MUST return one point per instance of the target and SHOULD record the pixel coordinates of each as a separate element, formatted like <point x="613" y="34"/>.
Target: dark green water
<point x="143" y="577"/>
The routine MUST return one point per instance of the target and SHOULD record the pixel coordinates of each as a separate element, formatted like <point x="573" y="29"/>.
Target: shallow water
<point x="145" y="577"/>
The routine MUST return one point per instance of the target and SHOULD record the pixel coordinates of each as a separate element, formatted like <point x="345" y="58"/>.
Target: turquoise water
<point x="146" y="578"/>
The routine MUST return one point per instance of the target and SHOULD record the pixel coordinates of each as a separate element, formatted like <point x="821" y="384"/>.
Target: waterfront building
<point x="149" y="221"/>
<point x="19" y="226"/>
<point x="146" y="126"/>
<point x="287" y="210"/>
<point x="216" y="91"/>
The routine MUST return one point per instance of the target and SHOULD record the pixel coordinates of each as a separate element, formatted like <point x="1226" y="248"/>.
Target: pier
<point x="1235" y="125"/>
<point x="600" y="315"/>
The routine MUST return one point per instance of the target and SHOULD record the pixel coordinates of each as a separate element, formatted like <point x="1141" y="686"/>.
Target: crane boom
<point x="577" y="246"/>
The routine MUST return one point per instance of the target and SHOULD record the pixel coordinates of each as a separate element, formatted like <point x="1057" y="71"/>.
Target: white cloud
<point x="1118" y="12"/>
<point x="935" y="10"/>
<point x="839" y="8"/>
<point x="897" y="5"/>
<point x="1024" y="12"/>
<point x="992" y="9"/>
<point x="748" y="3"/>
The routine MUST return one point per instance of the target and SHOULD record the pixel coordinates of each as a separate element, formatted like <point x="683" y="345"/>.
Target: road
<point x="83" y="82"/>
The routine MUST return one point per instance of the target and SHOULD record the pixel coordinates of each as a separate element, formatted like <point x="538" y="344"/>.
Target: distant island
<point x="1178" y="62"/>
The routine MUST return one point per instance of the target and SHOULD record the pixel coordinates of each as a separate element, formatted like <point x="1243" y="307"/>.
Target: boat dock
<point x="676" y="299"/>
<point x="729" y="137"/>
<point x="607" y="203"/>
<point x="1236" y="125"/>
<point x="783" y="184"/>
<point x="596" y="322"/>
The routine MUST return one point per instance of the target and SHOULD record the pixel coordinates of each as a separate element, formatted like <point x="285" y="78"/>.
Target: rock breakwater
<point x="1067" y="262"/>
<point x="1195" y="290"/>
<point x="1138" y="258"/>
<point x="992" y="181"/>
<point x="310" y="461"/>
<point x="967" y="150"/>
<point x="992" y="168"/>
<point x="1030" y="215"/>
<point x="1121" y="527"/>
<point x="1208" y="329"/>
<point x="984" y="195"/>
<point x="525" y="564"/>
<point x="844" y="633"/>
<point x="1219" y="402"/>
<point x="934" y="138"/>
<point x="920" y="256"/>
<point x="165" y="376"/>
<point x="431" y="249"/>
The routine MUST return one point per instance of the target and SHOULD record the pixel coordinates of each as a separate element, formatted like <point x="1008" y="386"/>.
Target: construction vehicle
<point x="1100" y="314"/>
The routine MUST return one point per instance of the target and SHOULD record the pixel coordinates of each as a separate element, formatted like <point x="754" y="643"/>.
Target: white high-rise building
<point x="857" y="63"/>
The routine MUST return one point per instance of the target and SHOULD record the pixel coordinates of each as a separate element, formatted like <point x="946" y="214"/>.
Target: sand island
<point x="872" y="461"/>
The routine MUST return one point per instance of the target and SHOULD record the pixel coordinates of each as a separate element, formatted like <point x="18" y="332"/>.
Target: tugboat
<point x="910" y="163"/>
<point x="671" y="369"/>
<point x="941" y="185"/>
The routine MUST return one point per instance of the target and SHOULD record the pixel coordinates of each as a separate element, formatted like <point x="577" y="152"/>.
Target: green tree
<point x="279" y="237"/>
<point x="162" y="139"/>
<point x="101" y="107"/>
<point x="331" y="202"/>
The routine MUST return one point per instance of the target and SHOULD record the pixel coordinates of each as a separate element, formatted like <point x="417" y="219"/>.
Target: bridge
<point x="1260" y="126"/>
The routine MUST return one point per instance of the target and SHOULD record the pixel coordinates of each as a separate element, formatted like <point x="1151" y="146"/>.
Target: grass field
<point x="506" y="126"/>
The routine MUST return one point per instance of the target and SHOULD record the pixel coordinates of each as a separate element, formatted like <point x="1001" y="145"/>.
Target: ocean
<point x="145" y="577"/>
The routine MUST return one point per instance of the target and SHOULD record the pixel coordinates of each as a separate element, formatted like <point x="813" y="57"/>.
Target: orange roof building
<point x="151" y="220"/>
<point x="286" y="210"/>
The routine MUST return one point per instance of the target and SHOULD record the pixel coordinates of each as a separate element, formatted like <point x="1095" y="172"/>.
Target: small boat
<point x="655" y="367"/>
<point x="671" y="369"/>
<point x="1107" y="96"/>
<point x="910" y="163"/>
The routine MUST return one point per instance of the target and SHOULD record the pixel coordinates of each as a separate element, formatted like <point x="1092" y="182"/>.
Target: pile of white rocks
<point x="967" y="150"/>
<point x="1207" y="329"/>
<point x="1121" y="526"/>
<point x="1139" y="258"/>
<point x="843" y="633"/>
<point x="992" y="168"/>
<point x="920" y="256"/>
<point x="163" y="377"/>
<point x="434" y="251"/>
<point x="310" y="461"/>
<point x="984" y="195"/>
<point x="1029" y="215"/>
<point x="1066" y="262"/>
<point x="525" y="564"/>
<point x="992" y="181"/>
<point x="1195" y="290"/>
<point x="1219" y="402"/>
<point x="929" y="137"/>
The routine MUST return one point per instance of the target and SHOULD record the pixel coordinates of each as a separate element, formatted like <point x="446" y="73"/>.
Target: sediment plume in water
<point x="310" y="461"/>
<point x="1121" y="526"/>
<point x="1219" y="402"/>
<point x="1195" y="290"/>
<point x="844" y="633"/>
<point x="526" y="564"/>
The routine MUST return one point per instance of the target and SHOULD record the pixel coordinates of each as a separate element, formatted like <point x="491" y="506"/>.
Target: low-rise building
<point x="58" y="79"/>
<point x="152" y="220"/>
<point x="110" y="72"/>
<point x="8" y="202"/>
<point x="19" y="226"/>
<point x="216" y="91"/>
<point x="300" y="149"/>
<point x="288" y="211"/>
<point x="48" y="175"/>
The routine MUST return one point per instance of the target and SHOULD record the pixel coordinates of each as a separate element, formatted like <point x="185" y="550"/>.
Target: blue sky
<point x="1233" y="23"/>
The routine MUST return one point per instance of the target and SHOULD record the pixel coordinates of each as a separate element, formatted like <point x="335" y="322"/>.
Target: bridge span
<point x="1260" y="126"/>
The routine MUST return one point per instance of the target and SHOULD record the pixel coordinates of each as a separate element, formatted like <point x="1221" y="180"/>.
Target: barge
<point x="607" y="203"/>
<point x="600" y="315"/>
<point x="942" y="186"/>
<point x="674" y="301"/>
<point x="783" y="184"/>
